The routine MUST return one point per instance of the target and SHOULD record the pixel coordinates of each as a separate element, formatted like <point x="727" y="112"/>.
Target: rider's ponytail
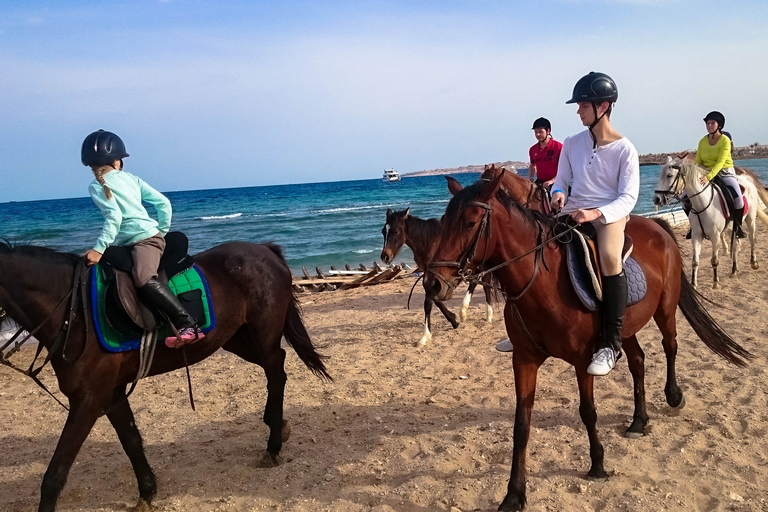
<point x="99" y="171"/>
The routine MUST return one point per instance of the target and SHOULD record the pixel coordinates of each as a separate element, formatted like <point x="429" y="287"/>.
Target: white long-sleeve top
<point x="606" y="177"/>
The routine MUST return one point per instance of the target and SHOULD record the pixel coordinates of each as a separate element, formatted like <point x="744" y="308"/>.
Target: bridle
<point x="466" y="274"/>
<point x="674" y="186"/>
<point x="77" y="296"/>
<point x="469" y="253"/>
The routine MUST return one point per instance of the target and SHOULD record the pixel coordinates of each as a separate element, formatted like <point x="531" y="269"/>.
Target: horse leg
<point x="715" y="262"/>
<point x="262" y="347"/>
<point x="665" y="320"/>
<point x="589" y="418"/>
<point x="427" y="337"/>
<point x="488" y="298"/>
<point x="734" y="257"/>
<point x="124" y="424"/>
<point x="752" y="232"/>
<point x="82" y="416"/>
<point x="447" y="314"/>
<point x="466" y="301"/>
<point x="636" y="363"/>
<point x="526" y="370"/>
<point x="696" y="243"/>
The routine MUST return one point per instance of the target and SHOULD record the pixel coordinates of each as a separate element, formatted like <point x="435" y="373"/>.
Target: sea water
<point x="317" y="224"/>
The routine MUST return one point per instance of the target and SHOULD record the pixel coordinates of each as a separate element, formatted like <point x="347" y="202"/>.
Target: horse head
<point x="394" y="232"/>
<point x="671" y="181"/>
<point x="466" y="238"/>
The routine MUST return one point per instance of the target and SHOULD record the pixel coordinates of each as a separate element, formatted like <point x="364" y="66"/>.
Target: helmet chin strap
<point x="594" y="123"/>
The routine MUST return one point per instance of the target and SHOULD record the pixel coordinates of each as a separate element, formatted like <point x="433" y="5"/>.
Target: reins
<point x="59" y="346"/>
<point x="465" y="274"/>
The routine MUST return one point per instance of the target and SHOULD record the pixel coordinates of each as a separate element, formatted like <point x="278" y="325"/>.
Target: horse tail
<point x="297" y="337"/>
<point x="296" y="333"/>
<point x="706" y="327"/>
<point x="708" y="330"/>
<point x="751" y="176"/>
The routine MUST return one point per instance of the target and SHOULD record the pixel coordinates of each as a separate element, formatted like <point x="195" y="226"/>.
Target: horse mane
<point x="472" y="192"/>
<point x="34" y="251"/>
<point x="689" y="168"/>
<point x="420" y="229"/>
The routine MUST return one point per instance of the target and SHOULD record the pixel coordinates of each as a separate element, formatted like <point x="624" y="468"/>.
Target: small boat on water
<point x="391" y="175"/>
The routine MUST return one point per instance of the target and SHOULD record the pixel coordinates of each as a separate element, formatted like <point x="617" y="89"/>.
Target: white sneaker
<point x="602" y="362"/>
<point x="504" y="346"/>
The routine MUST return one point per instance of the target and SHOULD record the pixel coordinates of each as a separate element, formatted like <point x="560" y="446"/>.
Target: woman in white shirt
<point x="603" y="171"/>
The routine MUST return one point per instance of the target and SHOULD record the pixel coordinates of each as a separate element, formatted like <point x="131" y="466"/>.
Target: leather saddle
<point x="727" y="198"/>
<point x="583" y="263"/>
<point x="124" y="310"/>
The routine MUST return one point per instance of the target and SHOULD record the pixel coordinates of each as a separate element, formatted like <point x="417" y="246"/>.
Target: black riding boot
<point x="738" y="218"/>
<point x="159" y="295"/>
<point x="614" y="306"/>
<point x="687" y="209"/>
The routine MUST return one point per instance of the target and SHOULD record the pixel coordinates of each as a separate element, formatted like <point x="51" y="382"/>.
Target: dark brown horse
<point x="422" y="236"/>
<point x="543" y="316"/>
<point x="254" y="305"/>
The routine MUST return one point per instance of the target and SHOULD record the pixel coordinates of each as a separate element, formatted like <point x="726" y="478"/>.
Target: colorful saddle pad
<point x="189" y="285"/>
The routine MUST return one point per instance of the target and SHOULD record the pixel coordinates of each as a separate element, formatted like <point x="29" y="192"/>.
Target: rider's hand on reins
<point x="588" y="215"/>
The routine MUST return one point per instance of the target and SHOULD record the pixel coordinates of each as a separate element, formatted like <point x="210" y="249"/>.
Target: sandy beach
<point x="406" y="429"/>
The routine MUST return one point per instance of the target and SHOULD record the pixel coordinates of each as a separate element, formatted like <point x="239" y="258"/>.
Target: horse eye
<point x="471" y="224"/>
<point x="669" y="175"/>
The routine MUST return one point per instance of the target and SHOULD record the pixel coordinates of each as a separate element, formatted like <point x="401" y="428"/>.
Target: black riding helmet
<point x="542" y="122"/>
<point x="716" y="117"/>
<point x="595" y="88"/>
<point x="102" y="148"/>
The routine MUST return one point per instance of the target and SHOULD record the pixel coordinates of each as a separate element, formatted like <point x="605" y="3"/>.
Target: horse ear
<point x="389" y="213"/>
<point x="490" y="189"/>
<point x="453" y="186"/>
<point x="669" y="160"/>
<point x="407" y="211"/>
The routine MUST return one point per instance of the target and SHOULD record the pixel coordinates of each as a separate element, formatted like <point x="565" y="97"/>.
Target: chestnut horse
<point x="250" y="286"/>
<point x="544" y="317"/>
<point x="422" y="236"/>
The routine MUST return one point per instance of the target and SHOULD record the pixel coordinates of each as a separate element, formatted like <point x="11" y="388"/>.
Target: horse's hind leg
<point x="752" y="232"/>
<point x="123" y="422"/>
<point x="82" y="416"/>
<point x="262" y="347"/>
<point x="488" y="298"/>
<point x="636" y="363"/>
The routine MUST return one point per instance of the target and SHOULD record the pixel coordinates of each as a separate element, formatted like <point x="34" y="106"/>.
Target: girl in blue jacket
<point x="119" y="195"/>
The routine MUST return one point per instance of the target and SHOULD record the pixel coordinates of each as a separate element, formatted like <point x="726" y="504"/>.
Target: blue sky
<point x="245" y="93"/>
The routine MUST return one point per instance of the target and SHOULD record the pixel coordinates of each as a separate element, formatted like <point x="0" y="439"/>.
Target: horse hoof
<point x="681" y="404"/>
<point x="286" y="431"/>
<point x="269" y="461"/>
<point x="755" y="266"/>
<point x="633" y="435"/>
<point x="462" y="316"/>
<point x="142" y="506"/>
<point x="715" y="286"/>
<point x="422" y="342"/>
<point x="512" y="504"/>
<point x="597" y="476"/>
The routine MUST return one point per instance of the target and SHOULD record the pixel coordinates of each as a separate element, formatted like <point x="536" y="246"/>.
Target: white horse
<point x="707" y="216"/>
